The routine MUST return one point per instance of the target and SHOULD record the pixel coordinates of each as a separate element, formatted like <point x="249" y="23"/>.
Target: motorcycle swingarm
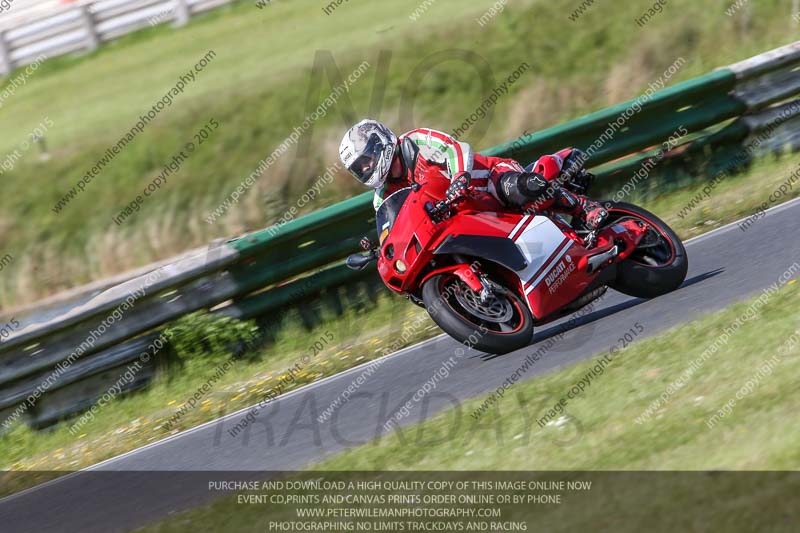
<point x="629" y="231"/>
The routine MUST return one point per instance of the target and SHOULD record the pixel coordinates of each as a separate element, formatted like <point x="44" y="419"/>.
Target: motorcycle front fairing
<point x="409" y="237"/>
<point x="405" y="229"/>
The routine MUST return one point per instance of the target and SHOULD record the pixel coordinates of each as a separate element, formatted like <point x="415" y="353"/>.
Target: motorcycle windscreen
<point x="387" y="213"/>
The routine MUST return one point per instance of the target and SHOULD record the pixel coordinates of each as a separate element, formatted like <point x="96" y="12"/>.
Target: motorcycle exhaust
<point x="597" y="261"/>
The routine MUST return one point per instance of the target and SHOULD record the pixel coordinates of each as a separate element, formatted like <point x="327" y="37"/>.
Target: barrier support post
<point x="182" y="13"/>
<point x="92" y="38"/>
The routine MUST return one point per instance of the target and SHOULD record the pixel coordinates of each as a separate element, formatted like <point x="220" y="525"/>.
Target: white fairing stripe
<point x="519" y="225"/>
<point x="538" y="243"/>
<point x="547" y="270"/>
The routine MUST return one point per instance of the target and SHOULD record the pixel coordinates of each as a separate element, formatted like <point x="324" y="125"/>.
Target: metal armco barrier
<point x="50" y="29"/>
<point x="263" y="272"/>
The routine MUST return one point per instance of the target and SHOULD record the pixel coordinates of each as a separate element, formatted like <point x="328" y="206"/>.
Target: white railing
<point x="48" y="28"/>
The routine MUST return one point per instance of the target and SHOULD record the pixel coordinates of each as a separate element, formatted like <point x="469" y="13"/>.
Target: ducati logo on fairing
<point x="554" y="273"/>
<point x="559" y="274"/>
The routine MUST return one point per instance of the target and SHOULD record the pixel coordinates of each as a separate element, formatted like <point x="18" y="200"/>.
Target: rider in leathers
<point x="374" y="155"/>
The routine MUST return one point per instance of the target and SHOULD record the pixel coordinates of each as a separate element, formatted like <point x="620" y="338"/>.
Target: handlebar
<point x="441" y="209"/>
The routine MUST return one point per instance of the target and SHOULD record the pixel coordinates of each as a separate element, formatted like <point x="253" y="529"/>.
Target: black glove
<point x="573" y="175"/>
<point x="581" y="183"/>
<point x="573" y="165"/>
<point x="458" y="186"/>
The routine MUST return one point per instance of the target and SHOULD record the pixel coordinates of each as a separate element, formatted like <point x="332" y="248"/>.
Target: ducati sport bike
<point x="488" y="277"/>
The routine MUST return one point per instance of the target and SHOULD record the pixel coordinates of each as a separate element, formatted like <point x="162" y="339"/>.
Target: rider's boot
<point x="590" y="213"/>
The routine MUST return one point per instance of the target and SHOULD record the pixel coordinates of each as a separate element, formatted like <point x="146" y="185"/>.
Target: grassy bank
<point x="736" y="197"/>
<point x="256" y="88"/>
<point x="600" y="432"/>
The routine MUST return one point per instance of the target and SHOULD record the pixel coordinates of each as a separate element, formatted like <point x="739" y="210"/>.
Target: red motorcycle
<point x="488" y="277"/>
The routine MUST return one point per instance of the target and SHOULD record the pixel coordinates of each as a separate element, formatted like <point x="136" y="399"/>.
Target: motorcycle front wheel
<point x="501" y="324"/>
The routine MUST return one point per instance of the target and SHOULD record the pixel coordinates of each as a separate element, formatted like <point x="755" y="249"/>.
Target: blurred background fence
<point x="32" y="29"/>
<point x="702" y="127"/>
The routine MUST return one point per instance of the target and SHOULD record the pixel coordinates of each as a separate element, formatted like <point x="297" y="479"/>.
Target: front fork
<point x="471" y="277"/>
<point x="476" y="280"/>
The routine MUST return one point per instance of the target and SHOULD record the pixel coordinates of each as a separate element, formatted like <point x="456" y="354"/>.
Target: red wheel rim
<point x="470" y="317"/>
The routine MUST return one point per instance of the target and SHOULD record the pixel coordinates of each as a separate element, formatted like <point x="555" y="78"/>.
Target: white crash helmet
<point x="367" y="150"/>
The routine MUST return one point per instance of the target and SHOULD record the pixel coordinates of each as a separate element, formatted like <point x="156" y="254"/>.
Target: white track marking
<point x="729" y="226"/>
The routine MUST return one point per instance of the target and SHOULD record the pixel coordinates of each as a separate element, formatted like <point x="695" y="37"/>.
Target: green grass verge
<point x="737" y="197"/>
<point x="600" y="432"/>
<point x="256" y="89"/>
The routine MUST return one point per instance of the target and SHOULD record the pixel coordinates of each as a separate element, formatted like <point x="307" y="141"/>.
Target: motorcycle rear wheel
<point x="655" y="270"/>
<point x="500" y="325"/>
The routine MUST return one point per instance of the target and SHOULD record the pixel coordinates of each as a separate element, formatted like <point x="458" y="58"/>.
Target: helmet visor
<point x="364" y="166"/>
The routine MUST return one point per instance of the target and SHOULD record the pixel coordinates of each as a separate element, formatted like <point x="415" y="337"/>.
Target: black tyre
<point x="659" y="265"/>
<point x="500" y="325"/>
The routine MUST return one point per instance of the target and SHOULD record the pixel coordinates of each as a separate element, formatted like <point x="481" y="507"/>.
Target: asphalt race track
<point x="725" y="266"/>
